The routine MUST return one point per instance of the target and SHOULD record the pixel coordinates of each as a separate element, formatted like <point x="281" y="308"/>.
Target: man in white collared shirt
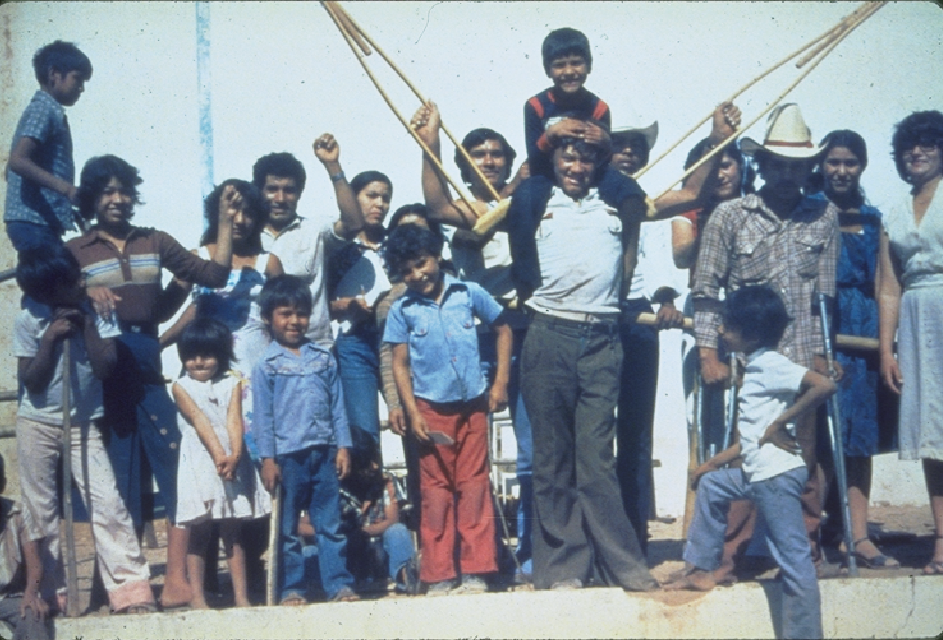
<point x="302" y="243"/>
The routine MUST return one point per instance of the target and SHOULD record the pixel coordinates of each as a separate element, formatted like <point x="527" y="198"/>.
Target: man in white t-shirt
<point x="775" y="392"/>
<point x="302" y="243"/>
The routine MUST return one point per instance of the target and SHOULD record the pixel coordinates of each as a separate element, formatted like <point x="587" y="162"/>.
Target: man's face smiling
<point x="573" y="170"/>
<point x="489" y="157"/>
<point x="281" y="198"/>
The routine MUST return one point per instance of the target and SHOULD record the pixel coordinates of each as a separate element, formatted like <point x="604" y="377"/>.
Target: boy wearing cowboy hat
<point x="784" y="239"/>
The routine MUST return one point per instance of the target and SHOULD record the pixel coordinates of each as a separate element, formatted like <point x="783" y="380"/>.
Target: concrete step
<point x="899" y="607"/>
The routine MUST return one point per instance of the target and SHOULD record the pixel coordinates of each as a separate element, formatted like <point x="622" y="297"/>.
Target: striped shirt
<point x="745" y="243"/>
<point x="44" y="121"/>
<point x="135" y="273"/>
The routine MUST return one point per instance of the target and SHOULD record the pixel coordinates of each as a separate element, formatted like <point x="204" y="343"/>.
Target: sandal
<point x="138" y="608"/>
<point x="292" y="600"/>
<point x="880" y="561"/>
<point x="935" y="568"/>
<point x="346" y="594"/>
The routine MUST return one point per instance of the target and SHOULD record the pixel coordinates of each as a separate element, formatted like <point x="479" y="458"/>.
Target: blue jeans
<point x="398" y="545"/>
<point x="358" y="360"/>
<point x="522" y="434"/>
<point x="142" y="436"/>
<point x="28" y="235"/>
<point x="309" y="482"/>
<point x="777" y="500"/>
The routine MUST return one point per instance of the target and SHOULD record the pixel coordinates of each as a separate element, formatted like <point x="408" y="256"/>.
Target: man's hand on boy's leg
<point x="777" y="434"/>
<point x="271" y="474"/>
<point x="342" y="462"/>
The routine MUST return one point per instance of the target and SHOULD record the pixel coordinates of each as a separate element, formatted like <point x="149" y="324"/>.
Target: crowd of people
<point x="294" y="326"/>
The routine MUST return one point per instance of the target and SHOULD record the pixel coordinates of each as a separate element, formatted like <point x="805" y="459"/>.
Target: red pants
<point x="455" y="491"/>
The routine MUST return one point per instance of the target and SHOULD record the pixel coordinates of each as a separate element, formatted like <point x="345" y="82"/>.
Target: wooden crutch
<point x="271" y="586"/>
<point x="71" y="568"/>
<point x="358" y="40"/>
<point x="695" y="457"/>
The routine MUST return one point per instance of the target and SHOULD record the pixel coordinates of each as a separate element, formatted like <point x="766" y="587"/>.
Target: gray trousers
<point x="777" y="500"/>
<point x="570" y="382"/>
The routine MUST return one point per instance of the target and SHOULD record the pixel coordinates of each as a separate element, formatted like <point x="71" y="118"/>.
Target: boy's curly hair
<point x="410" y="242"/>
<point x="758" y="313"/>
<point x="63" y="57"/>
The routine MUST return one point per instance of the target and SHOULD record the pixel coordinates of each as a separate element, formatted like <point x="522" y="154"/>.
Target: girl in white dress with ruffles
<point x="216" y="480"/>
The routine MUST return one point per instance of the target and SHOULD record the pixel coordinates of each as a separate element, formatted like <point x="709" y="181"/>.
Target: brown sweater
<point x="135" y="273"/>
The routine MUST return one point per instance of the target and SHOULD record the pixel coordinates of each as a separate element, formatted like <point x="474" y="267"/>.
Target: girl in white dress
<point x="216" y="480"/>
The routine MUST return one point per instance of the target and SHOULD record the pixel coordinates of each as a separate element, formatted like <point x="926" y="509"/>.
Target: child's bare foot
<point x="198" y="603"/>
<point x="293" y="600"/>
<point x="243" y="602"/>
<point x="693" y="580"/>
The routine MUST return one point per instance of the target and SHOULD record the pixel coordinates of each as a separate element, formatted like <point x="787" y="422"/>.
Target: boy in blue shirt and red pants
<point x="440" y="381"/>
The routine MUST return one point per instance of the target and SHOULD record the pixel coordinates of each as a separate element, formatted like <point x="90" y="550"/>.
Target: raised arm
<point x="888" y="287"/>
<point x="327" y="150"/>
<point x="697" y="187"/>
<point x="435" y="189"/>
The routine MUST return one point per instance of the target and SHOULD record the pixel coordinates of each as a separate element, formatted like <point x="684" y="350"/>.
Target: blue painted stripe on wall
<point x="205" y="94"/>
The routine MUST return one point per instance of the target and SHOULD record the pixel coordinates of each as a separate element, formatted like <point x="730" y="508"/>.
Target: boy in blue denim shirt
<point x="442" y="387"/>
<point x="303" y="438"/>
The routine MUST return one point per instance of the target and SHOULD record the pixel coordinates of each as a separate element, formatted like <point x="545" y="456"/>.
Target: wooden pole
<point x="491" y="190"/>
<point x="335" y="11"/>
<point x="271" y="586"/>
<point x="841" y="340"/>
<point x="824" y="42"/>
<point x="71" y="568"/>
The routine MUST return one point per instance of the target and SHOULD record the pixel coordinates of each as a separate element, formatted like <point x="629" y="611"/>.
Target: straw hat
<point x="787" y="135"/>
<point x="650" y="133"/>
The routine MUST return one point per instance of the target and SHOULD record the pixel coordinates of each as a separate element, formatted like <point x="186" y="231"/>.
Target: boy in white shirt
<point x="774" y="392"/>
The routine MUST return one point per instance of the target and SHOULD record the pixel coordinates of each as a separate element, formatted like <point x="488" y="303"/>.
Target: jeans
<point x="777" y="500"/>
<point x="522" y="434"/>
<point x="142" y="421"/>
<point x="358" y="361"/>
<point x="309" y="482"/>
<point x="28" y="235"/>
<point x="635" y="418"/>
<point x="571" y="373"/>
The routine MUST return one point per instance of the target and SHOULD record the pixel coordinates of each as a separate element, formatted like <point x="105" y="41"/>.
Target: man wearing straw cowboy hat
<point x="781" y="238"/>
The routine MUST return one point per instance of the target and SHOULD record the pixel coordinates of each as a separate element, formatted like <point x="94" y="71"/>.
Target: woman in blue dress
<point x="868" y="409"/>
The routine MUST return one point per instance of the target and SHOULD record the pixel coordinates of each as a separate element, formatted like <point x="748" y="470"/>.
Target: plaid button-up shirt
<point x="44" y="121"/>
<point x="745" y="243"/>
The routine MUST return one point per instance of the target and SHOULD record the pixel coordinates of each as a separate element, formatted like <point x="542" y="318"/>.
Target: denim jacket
<point x="297" y="401"/>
